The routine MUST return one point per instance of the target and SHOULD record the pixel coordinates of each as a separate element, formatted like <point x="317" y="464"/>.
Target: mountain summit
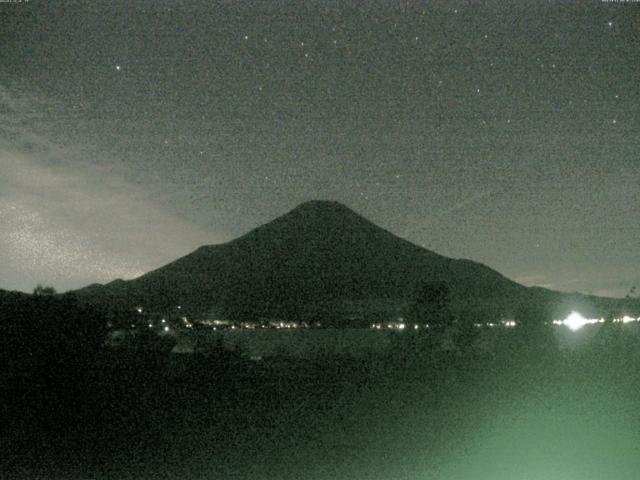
<point x="321" y="258"/>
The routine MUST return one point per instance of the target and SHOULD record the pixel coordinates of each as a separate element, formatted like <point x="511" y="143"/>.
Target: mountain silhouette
<point x="319" y="259"/>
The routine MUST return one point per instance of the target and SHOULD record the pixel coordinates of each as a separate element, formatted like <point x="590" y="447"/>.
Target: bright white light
<point x="575" y="321"/>
<point x="166" y="329"/>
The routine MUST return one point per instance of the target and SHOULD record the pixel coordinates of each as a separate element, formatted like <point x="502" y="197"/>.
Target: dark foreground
<point x="527" y="409"/>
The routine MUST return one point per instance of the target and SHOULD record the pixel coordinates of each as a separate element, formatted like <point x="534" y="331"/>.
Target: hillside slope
<point x="320" y="257"/>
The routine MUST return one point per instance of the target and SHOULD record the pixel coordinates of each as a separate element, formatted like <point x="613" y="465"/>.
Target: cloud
<point x="534" y="281"/>
<point x="469" y="200"/>
<point x="67" y="223"/>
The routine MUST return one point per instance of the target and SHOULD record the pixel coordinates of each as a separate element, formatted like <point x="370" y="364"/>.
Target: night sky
<point x="132" y="132"/>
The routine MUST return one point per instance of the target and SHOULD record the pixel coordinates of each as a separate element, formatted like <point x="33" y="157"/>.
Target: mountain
<point x="321" y="259"/>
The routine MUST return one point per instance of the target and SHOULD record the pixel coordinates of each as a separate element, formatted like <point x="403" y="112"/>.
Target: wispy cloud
<point x="533" y="281"/>
<point x="68" y="223"/>
<point x="467" y="201"/>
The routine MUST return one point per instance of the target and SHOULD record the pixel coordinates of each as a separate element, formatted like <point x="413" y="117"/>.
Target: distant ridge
<point x="321" y="259"/>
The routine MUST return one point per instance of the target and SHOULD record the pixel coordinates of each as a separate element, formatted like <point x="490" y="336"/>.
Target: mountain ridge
<point x="318" y="259"/>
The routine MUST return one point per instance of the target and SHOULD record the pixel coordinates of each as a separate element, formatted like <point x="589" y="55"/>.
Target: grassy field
<point x="551" y="408"/>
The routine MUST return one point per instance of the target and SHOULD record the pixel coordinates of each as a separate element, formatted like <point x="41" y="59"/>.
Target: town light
<point x="575" y="321"/>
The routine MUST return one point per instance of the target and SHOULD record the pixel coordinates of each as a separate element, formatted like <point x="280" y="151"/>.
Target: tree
<point x="533" y="318"/>
<point x="44" y="290"/>
<point x="431" y="305"/>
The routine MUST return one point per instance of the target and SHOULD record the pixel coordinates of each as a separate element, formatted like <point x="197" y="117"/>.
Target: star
<point x="242" y="102"/>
